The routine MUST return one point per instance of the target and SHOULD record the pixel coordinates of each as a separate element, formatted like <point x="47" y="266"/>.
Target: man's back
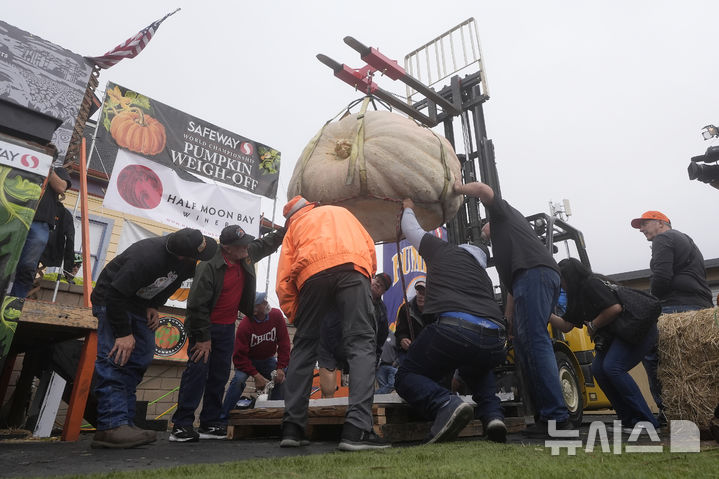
<point x="678" y="274"/>
<point x="515" y="245"/>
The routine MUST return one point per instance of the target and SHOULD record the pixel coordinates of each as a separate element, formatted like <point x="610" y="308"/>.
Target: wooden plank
<point x="394" y="420"/>
<point x="55" y="314"/>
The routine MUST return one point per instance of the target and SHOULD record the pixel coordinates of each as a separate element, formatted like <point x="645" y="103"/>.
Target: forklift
<point x="440" y="62"/>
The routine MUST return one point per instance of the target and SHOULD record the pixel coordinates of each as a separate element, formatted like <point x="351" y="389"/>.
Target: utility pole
<point x="562" y="211"/>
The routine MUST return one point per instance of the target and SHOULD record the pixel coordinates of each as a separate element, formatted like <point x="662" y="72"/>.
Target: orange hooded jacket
<point x="319" y="238"/>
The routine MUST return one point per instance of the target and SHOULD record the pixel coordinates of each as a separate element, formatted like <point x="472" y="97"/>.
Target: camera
<point x="706" y="173"/>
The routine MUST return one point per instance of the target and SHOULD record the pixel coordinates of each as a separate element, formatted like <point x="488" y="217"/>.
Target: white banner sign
<point x="144" y="188"/>
<point x="16" y="156"/>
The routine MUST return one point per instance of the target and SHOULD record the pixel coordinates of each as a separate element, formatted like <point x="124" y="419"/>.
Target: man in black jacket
<point x="404" y="334"/>
<point x="531" y="276"/>
<point x="677" y="265"/>
<point x="129" y="291"/>
<point x="678" y="280"/>
<point x="60" y="248"/>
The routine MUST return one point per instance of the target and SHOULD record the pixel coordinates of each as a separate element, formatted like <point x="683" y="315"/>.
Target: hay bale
<point x="689" y="365"/>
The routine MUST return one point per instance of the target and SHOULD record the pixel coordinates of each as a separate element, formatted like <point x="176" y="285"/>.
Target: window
<point x="100" y="232"/>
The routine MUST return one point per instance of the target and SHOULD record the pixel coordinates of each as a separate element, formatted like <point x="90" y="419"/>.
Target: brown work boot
<point x="150" y="435"/>
<point x="121" y="437"/>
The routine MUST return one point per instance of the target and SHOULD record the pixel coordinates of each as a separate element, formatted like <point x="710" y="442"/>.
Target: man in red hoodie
<point x="262" y="345"/>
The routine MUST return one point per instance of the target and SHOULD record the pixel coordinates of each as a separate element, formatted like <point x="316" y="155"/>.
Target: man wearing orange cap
<point x="326" y="263"/>
<point x="678" y="278"/>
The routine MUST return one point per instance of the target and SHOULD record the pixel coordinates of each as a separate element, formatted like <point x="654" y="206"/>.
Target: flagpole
<point x="269" y="258"/>
<point x="83" y="376"/>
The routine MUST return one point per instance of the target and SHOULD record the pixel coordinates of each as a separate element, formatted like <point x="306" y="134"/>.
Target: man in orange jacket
<point x="326" y="262"/>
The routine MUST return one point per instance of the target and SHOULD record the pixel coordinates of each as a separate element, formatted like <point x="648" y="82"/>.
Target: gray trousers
<point x="346" y="292"/>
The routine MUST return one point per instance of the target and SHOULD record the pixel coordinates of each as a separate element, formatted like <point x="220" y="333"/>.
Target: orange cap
<point x="650" y="215"/>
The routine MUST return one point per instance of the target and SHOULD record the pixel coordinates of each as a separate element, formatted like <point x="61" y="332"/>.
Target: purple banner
<point x="413" y="270"/>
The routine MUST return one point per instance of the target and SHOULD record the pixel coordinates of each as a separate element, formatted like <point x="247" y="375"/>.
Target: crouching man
<point x="469" y="335"/>
<point x="262" y="346"/>
<point x="129" y="291"/>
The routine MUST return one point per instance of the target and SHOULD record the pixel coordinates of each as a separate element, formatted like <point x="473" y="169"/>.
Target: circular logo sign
<point x="29" y="161"/>
<point x="140" y="186"/>
<point x="246" y="148"/>
<point x="170" y="336"/>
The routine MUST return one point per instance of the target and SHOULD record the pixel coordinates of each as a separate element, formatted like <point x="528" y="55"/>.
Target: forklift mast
<point x="437" y="62"/>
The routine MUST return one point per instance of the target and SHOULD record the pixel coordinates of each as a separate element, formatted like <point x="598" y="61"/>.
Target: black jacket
<point x="143" y="276"/>
<point x="678" y="274"/>
<point x="61" y="242"/>
<point x="419" y="321"/>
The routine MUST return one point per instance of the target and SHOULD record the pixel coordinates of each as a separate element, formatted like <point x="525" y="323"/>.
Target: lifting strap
<point x="358" y="151"/>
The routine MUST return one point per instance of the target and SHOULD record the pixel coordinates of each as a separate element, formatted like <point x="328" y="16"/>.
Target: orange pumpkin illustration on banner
<point x="130" y="125"/>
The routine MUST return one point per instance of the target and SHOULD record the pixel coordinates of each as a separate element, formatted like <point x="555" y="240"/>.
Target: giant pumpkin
<point x="138" y="132"/>
<point x="368" y="163"/>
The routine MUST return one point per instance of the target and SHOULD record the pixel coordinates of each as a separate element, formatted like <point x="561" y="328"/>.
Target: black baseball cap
<point x="191" y="243"/>
<point x="234" y="235"/>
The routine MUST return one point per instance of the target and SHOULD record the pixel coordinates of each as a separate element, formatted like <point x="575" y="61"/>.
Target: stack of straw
<point x="689" y="365"/>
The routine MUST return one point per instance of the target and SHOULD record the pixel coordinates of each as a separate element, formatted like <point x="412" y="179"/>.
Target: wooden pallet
<point x="393" y="420"/>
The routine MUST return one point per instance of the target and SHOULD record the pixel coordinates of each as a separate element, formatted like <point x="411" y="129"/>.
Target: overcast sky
<point x="601" y="103"/>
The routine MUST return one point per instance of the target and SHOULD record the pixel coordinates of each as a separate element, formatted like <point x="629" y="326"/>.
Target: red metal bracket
<point x="361" y="78"/>
<point x="383" y="64"/>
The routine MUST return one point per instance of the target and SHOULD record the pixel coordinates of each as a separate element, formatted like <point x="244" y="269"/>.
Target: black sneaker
<point x="355" y="439"/>
<point x="496" y="430"/>
<point x="540" y="429"/>
<point x="293" y="435"/>
<point x="213" y="432"/>
<point x="641" y="428"/>
<point x="184" y="434"/>
<point x="450" y="420"/>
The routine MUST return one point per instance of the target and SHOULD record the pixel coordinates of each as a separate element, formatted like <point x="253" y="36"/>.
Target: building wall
<point x="95" y="208"/>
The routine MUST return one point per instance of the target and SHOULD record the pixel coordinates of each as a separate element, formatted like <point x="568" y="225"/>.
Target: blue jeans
<point x="536" y="291"/>
<point x="440" y="350"/>
<point x="611" y="370"/>
<point x="651" y="359"/>
<point x="206" y="380"/>
<point x="115" y="385"/>
<point x="385" y="378"/>
<point x="35" y="243"/>
<point x="239" y="381"/>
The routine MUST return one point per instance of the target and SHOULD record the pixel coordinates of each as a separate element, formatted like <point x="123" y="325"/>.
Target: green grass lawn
<point x="455" y="460"/>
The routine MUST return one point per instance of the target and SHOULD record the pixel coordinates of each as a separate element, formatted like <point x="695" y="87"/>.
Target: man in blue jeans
<point x="530" y="274"/>
<point x="37" y="236"/>
<point x="223" y="286"/>
<point x="387" y="369"/>
<point x="469" y="335"/>
<point x="125" y="301"/>
<point x="678" y="280"/>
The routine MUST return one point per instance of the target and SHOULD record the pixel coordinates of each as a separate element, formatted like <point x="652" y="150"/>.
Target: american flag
<point x="130" y="48"/>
